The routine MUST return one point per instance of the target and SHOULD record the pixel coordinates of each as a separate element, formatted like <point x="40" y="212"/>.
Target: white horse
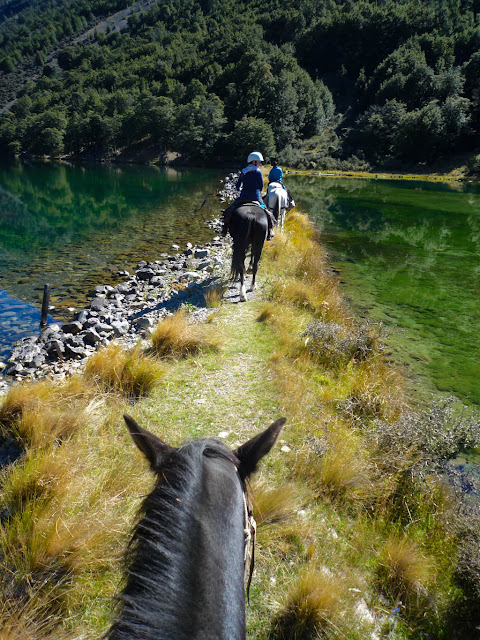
<point x="279" y="200"/>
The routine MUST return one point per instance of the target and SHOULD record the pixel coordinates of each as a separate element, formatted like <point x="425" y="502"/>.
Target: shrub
<point x="333" y="345"/>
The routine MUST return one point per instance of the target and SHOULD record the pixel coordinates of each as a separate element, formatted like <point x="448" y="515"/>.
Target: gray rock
<point x="120" y="328"/>
<point x="77" y="353"/>
<point x="144" y="322"/>
<point x="103" y="327"/>
<point x="91" y="337"/>
<point x="72" y="327"/>
<point x="201" y="253"/>
<point x="98" y="304"/>
<point x="123" y="287"/>
<point x="145" y="274"/>
<point x="192" y="275"/>
<point x="14" y="369"/>
<point x="55" y="349"/>
<point x="81" y="316"/>
<point x="100" y="290"/>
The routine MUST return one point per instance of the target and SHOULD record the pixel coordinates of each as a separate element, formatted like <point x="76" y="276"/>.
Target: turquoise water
<point x="74" y="227"/>
<point x="408" y="255"/>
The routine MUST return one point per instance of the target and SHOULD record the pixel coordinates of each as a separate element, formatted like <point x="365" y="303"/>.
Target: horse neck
<point x="186" y="576"/>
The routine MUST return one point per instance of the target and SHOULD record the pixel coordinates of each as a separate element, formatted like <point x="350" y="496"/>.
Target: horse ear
<point x="154" y="449"/>
<point x="255" y="449"/>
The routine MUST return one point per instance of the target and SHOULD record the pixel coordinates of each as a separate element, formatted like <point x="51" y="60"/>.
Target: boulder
<point x="145" y="274"/>
<point x="72" y="327"/>
<point x="91" y="337"/>
<point x="144" y="322"/>
<point x="120" y="328"/>
<point x="98" y="304"/>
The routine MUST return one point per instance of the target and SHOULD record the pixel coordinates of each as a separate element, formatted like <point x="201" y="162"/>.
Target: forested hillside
<point x="321" y="83"/>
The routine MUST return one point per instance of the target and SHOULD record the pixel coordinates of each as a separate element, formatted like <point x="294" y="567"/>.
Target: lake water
<point x="74" y="227"/>
<point x="408" y="255"/>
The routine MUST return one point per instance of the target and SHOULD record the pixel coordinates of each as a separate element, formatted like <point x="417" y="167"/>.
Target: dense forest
<point x="321" y="83"/>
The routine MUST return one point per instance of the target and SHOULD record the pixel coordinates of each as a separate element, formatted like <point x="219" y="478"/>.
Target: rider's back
<point x="250" y="182"/>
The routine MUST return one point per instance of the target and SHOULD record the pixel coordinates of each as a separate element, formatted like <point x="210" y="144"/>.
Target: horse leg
<point x="250" y="264"/>
<point x="243" y="293"/>
<point x="257" y="246"/>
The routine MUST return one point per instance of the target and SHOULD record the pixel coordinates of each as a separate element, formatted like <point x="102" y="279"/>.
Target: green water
<point x="408" y="256"/>
<point x="75" y="226"/>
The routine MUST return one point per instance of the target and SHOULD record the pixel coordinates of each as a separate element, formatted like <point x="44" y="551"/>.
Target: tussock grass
<point x="373" y="390"/>
<point x="131" y="373"/>
<point x="267" y="313"/>
<point x="214" y="295"/>
<point x="312" y="608"/>
<point x="404" y="573"/>
<point x="39" y="414"/>
<point x="176" y="338"/>
<point x="35" y="479"/>
<point x="337" y="466"/>
<point x="273" y="504"/>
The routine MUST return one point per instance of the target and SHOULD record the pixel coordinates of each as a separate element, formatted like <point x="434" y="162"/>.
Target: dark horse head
<point x="248" y="228"/>
<point x="185" y="576"/>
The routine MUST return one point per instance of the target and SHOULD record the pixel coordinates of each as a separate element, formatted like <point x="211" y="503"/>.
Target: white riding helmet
<point x="255" y="155"/>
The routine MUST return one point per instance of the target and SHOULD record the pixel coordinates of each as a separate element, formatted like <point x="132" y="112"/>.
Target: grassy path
<point x="229" y="392"/>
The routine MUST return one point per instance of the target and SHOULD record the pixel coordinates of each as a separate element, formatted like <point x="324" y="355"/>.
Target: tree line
<point x="321" y="83"/>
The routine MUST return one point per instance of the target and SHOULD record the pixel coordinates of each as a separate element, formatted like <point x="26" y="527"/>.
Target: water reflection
<point x="74" y="227"/>
<point x="409" y="256"/>
<point x="17" y="320"/>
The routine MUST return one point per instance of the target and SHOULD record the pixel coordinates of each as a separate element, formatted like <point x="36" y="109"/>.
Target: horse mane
<point x="158" y="554"/>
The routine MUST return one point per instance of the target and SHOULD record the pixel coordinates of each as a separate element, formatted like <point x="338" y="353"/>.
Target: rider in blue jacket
<point x="276" y="173"/>
<point x="250" y="184"/>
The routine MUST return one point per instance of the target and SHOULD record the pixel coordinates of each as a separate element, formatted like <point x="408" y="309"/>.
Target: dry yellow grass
<point x="175" y="337"/>
<point x="131" y="373"/>
<point x="214" y="295"/>
<point x="312" y="608"/>
<point x="403" y="572"/>
<point x="39" y="414"/>
<point x="273" y="504"/>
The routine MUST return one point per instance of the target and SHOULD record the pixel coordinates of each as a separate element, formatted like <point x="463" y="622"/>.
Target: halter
<point x="249" y="532"/>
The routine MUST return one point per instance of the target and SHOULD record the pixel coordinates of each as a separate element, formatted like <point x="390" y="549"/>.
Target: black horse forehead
<point x="210" y="448"/>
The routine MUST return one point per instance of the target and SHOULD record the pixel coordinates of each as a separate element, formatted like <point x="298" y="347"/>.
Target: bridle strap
<point x="250" y="532"/>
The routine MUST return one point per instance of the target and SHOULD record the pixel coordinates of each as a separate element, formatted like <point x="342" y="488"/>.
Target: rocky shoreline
<point x="129" y="311"/>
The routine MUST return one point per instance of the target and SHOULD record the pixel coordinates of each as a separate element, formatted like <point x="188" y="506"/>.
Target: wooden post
<point x="45" y="303"/>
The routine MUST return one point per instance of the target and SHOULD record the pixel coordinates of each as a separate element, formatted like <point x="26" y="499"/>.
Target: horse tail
<point x="240" y="229"/>
<point x="277" y="209"/>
